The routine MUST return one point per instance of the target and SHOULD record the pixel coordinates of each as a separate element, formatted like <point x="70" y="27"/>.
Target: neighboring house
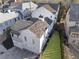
<point x="7" y="20"/>
<point x="31" y="34"/>
<point x="3" y="1"/>
<point x="50" y="1"/>
<point x="75" y="1"/>
<point x="72" y="25"/>
<point x="46" y="11"/>
<point x="23" y="8"/>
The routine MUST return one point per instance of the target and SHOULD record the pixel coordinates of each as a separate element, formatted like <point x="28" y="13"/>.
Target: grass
<point x="53" y="50"/>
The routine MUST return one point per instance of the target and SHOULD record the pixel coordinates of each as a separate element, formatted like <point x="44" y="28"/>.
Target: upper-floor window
<point x="55" y="17"/>
<point x="3" y="30"/>
<point x="25" y="38"/>
<point x="51" y="16"/>
<point x="12" y="34"/>
<point x="41" y="16"/>
<point x="15" y="19"/>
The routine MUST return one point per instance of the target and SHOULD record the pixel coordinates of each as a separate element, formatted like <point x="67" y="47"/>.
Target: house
<point x="7" y="20"/>
<point x="50" y="1"/>
<point x="75" y="1"/>
<point x="72" y="25"/>
<point x="3" y="1"/>
<point x="46" y="11"/>
<point x="31" y="34"/>
<point x="23" y="8"/>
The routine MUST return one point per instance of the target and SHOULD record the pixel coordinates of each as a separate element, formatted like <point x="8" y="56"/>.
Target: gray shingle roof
<point x="19" y="25"/>
<point x="23" y="24"/>
<point x="74" y="12"/>
<point x="39" y="28"/>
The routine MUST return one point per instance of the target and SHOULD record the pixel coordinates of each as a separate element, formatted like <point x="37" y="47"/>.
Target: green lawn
<point x="53" y="50"/>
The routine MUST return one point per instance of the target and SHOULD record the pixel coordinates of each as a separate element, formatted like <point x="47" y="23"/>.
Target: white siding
<point x="28" y="43"/>
<point x="44" y="37"/>
<point x="43" y="12"/>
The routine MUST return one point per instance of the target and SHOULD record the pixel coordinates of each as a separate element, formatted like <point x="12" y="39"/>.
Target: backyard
<point x="52" y="50"/>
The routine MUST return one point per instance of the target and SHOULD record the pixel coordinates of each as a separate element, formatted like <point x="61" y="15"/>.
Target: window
<point x="10" y="20"/>
<point x="3" y="29"/>
<point x="25" y="38"/>
<point x="18" y="18"/>
<point x="33" y="42"/>
<point x="51" y="16"/>
<point x="55" y="17"/>
<point x="48" y="32"/>
<point x="15" y="19"/>
<point x="12" y="34"/>
<point x="41" y="16"/>
<point x="46" y="37"/>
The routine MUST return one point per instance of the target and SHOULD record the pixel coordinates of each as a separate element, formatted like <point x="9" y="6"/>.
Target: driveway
<point x="15" y="53"/>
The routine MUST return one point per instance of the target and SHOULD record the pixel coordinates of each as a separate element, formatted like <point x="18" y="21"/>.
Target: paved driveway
<point x="15" y="53"/>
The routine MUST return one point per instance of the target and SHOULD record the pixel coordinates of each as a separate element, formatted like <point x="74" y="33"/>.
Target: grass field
<point x="53" y="50"/>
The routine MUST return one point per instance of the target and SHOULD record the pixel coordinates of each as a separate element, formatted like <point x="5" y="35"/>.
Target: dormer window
<point x="41" y="16"/>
